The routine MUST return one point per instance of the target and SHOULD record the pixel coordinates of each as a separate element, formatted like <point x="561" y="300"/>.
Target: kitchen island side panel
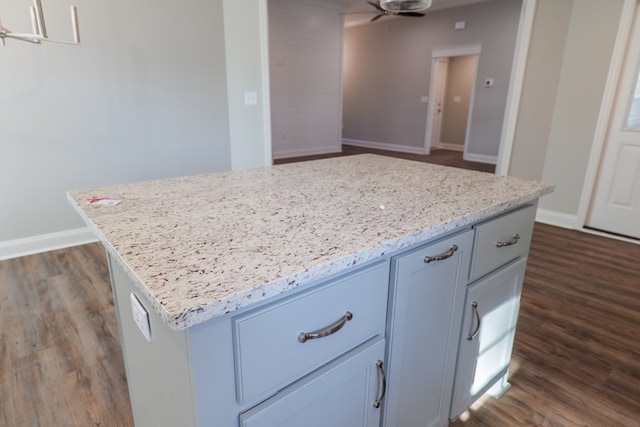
<point x="158" y="372"/>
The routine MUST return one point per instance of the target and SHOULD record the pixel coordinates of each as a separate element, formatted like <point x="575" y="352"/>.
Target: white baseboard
<point x="559" y="219"/>
<point x="45" y="242"/>
<point x="450" y="146"/>
<point x="299" y="152"/>
<point x="383" y="146"/>
<point x="480" y="158"/>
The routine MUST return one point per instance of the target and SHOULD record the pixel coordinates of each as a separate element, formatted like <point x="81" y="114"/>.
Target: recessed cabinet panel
<point x="341" y="394"/>
<point x="427" y="295"/>
<point x="338" y="316"/>
<point x="488" y="330"/>
<point x="501" y="240"/>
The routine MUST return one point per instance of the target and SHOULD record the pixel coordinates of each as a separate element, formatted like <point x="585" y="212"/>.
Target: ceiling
<point x="360" y="13"/>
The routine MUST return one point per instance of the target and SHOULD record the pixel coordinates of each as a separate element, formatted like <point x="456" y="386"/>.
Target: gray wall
<point x="387" y="70"/>
<point x="460" y="77"/>
<point x="305" y="49"/>
<point x="560" y="104"/>
<point x="144" y="97"/>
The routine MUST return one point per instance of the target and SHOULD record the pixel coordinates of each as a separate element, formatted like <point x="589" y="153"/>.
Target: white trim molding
<point x="383" y="146"/>
<point x="449" y="146"/>
<point x="559" y="219"/>
<point x="45" y="242"/>
<point x="445" y="52"/>
<point x="265" y="82"/>
<point x="480" y="158"/>
<point x="521" y="53"/>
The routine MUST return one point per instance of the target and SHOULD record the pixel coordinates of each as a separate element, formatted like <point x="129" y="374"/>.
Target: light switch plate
<point x="140" y="317"/>
<point x="250" y="98"/>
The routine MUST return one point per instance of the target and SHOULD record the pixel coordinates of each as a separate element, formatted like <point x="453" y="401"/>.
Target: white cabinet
<point x="488" y="330"/>
<point x="426" y="299"/>
<point x="342" y="394"/>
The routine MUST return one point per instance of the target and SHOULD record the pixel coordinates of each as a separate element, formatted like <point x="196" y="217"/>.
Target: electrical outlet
<point x="140" y="317"/>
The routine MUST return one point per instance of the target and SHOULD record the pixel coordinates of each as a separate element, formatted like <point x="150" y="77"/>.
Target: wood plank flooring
<point x="60" y="357"/>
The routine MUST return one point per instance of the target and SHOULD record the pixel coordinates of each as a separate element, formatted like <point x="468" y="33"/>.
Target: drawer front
<point x="496" y="242"/>
<point x="271" y="349"/>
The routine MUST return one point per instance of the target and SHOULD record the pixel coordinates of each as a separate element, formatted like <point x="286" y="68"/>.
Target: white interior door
<point x="615" y="205"/>
<point x="440" y="81"/>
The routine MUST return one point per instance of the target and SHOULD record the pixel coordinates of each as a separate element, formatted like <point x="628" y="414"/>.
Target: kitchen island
<point x="242" y="295"/>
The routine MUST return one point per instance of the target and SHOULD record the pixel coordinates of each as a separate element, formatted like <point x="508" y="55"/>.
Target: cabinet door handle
<point x="509" y="242"/>
<point x="472" y="335"/>
<point x="382" y="380"/>
<point x="442" y="256"/>
<point x="327" y="330"/>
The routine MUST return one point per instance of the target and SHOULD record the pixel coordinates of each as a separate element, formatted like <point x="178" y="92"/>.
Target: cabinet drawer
<point x="269" y="350"/>
<point x="501" y="240"/>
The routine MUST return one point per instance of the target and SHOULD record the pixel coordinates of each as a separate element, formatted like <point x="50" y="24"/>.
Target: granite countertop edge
<point x="234" y="301"/>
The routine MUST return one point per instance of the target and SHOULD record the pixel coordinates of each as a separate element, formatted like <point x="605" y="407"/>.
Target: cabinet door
<point x="488" y="330"/>
<point x="342" y="394"/>
<point x="427" y="295"/>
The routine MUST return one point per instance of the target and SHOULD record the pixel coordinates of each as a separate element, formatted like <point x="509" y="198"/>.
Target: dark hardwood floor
<point x="440" y="157"/>
<point x="576" y="359"/>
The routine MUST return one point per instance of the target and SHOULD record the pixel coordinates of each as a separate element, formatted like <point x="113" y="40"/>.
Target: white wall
<point x="305" y="47"/>
<point x="559" y="111"/>
<point x="388" y="64"/>
<point x="144" y="97"/>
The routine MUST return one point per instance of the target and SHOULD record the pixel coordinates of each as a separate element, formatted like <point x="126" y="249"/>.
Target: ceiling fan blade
<point x="375" y="18"/>
<point x="376" y="5"/>
<point x="413" y="14"/>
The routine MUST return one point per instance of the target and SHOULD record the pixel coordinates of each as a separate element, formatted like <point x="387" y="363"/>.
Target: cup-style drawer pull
<point x="327" y="330"/>
<point x="509" y="242"/>
<point x="442" y="256"/>
<point x="382" y="380"/>
<point x="472" y="335"/>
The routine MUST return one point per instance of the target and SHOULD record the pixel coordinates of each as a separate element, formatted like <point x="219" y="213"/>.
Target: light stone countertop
<point x="202" y="246"/>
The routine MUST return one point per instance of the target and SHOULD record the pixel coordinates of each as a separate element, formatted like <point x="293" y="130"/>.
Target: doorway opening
<point x="452" y="85"/>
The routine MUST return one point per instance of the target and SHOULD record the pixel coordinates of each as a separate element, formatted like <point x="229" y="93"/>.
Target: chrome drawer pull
<point x="471" y="336"/>
<point x="510" y="242"/>
<point x="382" y="378"/>
<point x="326" y="331"/>
<point x="442" y="256"/>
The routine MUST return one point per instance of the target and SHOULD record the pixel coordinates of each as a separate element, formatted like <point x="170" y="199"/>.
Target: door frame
<point x="470" y="49"/>
<point x="606" y="109"/>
